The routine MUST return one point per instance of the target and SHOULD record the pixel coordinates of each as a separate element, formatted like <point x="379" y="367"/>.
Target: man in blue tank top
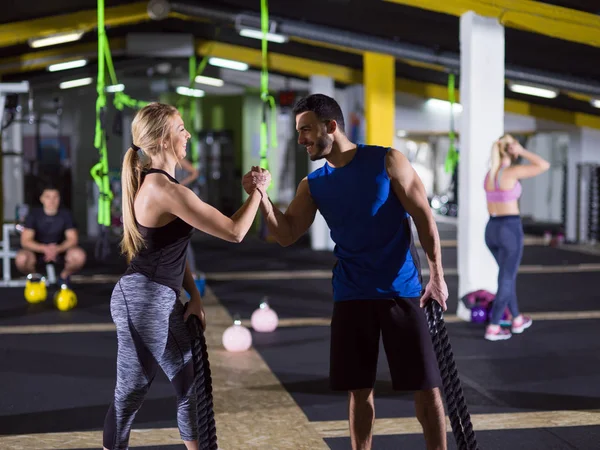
<point x="367" y="195"/>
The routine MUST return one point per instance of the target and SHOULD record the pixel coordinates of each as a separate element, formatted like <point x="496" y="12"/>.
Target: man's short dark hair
<point x="324" y="107"/>
<point x="49" y="187"/>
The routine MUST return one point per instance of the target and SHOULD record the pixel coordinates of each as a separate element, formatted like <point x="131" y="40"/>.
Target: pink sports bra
<point x="502" y="196"/>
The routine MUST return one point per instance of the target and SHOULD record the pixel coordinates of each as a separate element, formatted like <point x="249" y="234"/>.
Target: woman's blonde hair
<point x="150" y="130"/>
<point x="498" y="154"/>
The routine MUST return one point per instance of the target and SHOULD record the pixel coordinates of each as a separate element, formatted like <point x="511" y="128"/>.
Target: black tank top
<point x="163" y="258"/>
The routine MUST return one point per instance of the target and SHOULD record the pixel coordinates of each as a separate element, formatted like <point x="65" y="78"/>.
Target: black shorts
<point x="40" y="264"/>
<point x="355" y="329"/>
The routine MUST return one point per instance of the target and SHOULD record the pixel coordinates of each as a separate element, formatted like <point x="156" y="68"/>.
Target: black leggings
<point x="504" y="238"/>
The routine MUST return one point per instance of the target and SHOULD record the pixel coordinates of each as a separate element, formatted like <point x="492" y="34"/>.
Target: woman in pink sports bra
<point x="504" y="231"/>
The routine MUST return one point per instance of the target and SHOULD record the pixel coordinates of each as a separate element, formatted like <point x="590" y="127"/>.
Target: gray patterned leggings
<point x="151" y="333"/>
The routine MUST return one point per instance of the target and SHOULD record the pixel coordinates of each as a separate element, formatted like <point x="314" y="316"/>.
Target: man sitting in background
<point x="50" y="235"/>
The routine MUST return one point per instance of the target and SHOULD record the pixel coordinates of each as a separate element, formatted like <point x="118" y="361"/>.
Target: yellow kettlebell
<point x="65" y="299"/>
<point x="35" y="288"/>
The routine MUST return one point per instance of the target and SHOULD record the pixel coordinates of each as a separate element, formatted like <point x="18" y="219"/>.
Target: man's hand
<point x="257" y="178"/>
<point x="50" y="253"/>
<point x="437" y="290"/>
<point x="195" y="307"/>
<point x="261" y="179"/>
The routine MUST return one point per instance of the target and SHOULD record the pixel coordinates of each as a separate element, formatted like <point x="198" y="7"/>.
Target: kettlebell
<point x="65" y="299"/>
<point x="35" y="288"/>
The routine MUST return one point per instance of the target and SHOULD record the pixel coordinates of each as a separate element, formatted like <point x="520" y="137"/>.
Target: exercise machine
<point x="12" y="147"/>
<point x="11" y="88"/>
<point x="12" y="192"/>
<point x="6" y="254"/>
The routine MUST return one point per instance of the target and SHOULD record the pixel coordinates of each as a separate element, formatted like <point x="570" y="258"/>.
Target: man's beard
<point x="322" y="145"/>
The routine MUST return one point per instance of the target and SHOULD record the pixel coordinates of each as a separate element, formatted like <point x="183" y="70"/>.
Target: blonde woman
<point x="159" y="216"/>
<point x="504" y="231"/>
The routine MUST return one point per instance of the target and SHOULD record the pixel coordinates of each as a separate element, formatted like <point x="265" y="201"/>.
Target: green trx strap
<point x="121" y="99"/>
<point x="452" y="157"/>
<point x="100" y="171"/>
<point x="268" y="100"/>
<point x="193" y="112"/>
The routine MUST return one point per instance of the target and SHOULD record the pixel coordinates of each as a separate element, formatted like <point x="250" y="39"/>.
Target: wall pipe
<point x="159" y="10"/>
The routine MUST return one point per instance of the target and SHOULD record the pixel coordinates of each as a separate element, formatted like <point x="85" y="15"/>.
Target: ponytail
<point x="149" y="129"/>
<point x="131" y="171"/>
<point x="495" y="164"/>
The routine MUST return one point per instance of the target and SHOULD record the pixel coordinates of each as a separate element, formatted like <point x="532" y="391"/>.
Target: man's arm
<point x="71" y="240"/>
<point x="410" y="190"/>
<point x="28" y="241"/>
<point x="289" y="227"/>
<point x="71" y="234"/>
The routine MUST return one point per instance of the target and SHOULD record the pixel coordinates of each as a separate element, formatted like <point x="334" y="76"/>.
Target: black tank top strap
<point x="146" y="172"/>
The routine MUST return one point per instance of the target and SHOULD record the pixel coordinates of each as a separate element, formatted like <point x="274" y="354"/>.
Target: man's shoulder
<point x="316" y="173"/>
<point x="396" y="162"/>
<point x="373" y="147"/>
<point x="64" y="212"/>
<point x="35" y="213"/>
<point x="67" y="218"/>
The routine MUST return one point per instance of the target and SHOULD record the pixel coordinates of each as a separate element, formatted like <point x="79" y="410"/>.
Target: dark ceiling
<point x="435" y="32"/>
<point x="591" y="6"/>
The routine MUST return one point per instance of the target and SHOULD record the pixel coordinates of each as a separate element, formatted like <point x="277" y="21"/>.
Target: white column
<point x="354" y="113"/>
<point x="320" y="235"/>
<point x="583" y="148"/>
<point x="12" y="168"/>
<point x="482" y="122"/>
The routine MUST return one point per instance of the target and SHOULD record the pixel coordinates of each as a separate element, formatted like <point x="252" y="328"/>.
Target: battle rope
<point x="207" y="429"/>
<point x="460" y="419"/>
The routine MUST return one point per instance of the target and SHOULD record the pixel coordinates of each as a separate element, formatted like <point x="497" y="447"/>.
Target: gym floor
<point x="538" y="390"/>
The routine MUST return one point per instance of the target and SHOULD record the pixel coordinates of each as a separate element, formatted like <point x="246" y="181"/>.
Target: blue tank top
<point x="370" y="228"/>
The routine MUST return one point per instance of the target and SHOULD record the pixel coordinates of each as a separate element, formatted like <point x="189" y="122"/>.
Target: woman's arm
<point x="537" y="165"/>
<point x="183" y="203"/>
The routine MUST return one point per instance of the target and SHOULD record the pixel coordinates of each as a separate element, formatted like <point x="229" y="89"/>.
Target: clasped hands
<point x="256" y="178"/>
<point x="50" y="252"/>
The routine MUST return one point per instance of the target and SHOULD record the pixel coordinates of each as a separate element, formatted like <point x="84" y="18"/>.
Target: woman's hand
<point x="261" y="178"/>
<point x="514" y="149"/>
<point x="195" y="307"/>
